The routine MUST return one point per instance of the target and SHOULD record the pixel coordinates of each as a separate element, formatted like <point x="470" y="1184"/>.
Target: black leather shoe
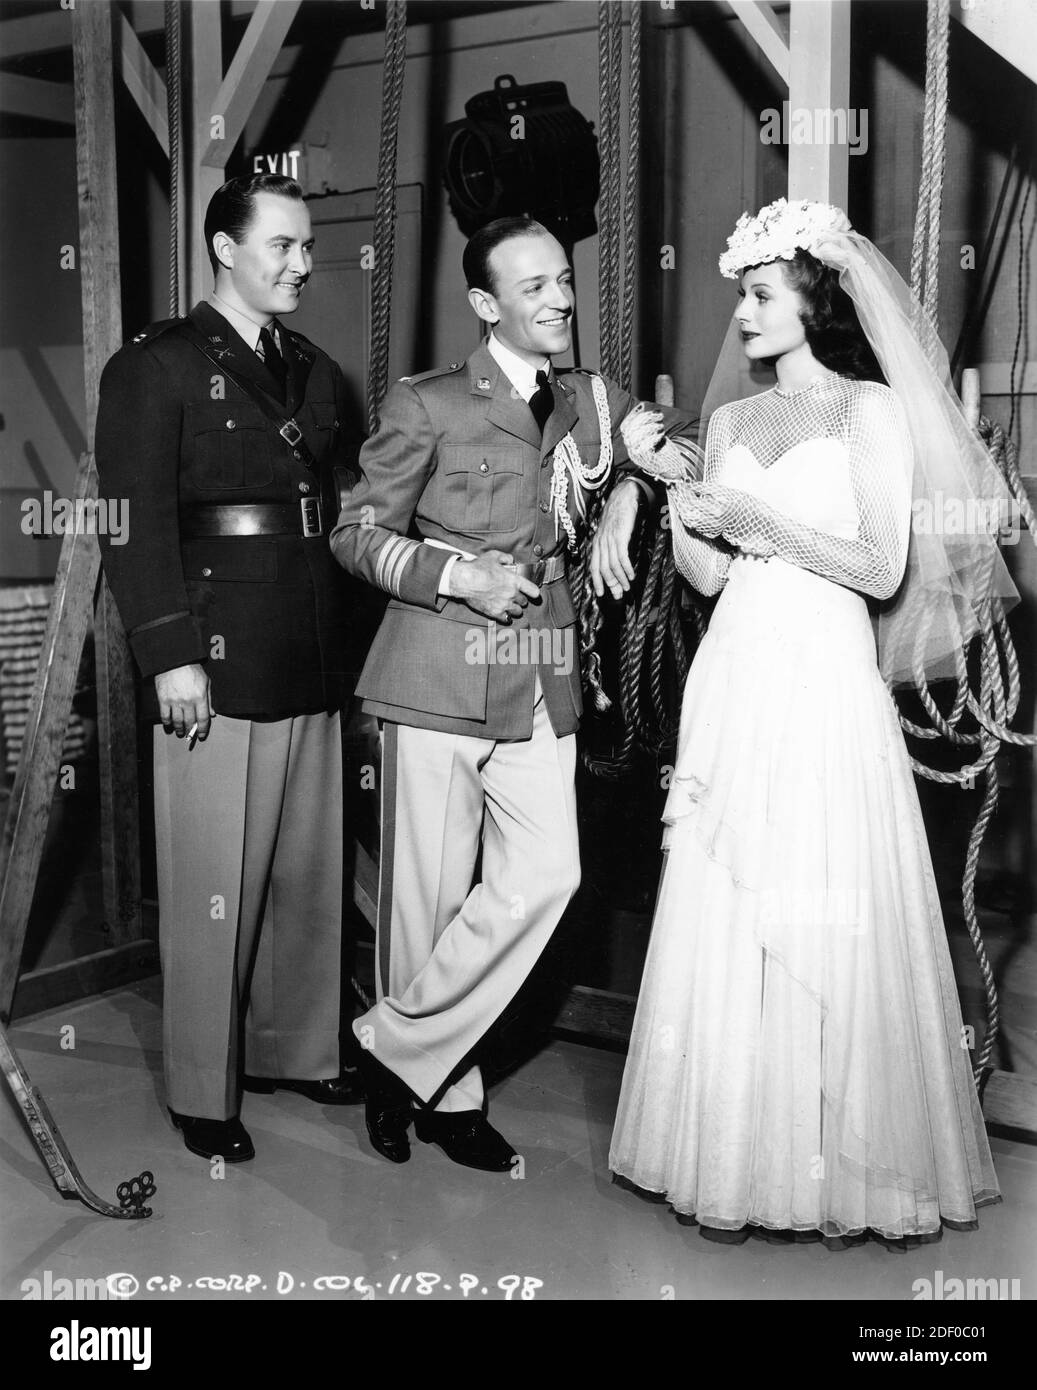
<point x="226" y="1139"/>
<point x="467" y="1137"/>
<point x="344" y="1089"/>
<point x="387" y="1109"/>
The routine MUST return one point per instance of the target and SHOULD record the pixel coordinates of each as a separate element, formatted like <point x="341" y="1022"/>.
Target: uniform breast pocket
<point x="481" y="488"/>
<point x="229" y="445"/>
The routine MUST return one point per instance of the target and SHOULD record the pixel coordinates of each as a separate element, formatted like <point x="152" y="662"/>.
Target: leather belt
<point x="304" y="518"/>
<point x="543" y="571"/>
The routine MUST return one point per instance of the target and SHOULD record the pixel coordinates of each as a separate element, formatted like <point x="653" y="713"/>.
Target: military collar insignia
<point x="484" y="383"/>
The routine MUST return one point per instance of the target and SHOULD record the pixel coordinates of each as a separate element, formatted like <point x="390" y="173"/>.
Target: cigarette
<point x="192" y="730"/>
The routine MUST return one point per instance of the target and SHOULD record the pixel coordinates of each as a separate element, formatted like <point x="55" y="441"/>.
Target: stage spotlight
<point x="523" y="150"/>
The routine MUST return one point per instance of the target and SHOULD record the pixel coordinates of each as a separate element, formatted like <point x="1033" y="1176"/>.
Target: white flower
<point x="778" y="231"/>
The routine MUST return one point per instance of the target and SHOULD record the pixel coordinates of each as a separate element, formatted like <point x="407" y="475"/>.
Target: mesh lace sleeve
<point x="879" y="457"/>
<point x="703" y="562"/>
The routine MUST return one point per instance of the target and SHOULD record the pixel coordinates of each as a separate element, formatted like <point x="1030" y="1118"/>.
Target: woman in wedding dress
<point x="798" y="1061"/>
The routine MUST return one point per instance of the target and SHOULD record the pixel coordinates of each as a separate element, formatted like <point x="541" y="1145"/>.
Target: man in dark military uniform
<point x="223" y="431"/>
<point x="469" y="490"/>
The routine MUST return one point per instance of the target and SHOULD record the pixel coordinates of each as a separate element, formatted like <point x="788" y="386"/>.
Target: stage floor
<point x="318" y="1202"/>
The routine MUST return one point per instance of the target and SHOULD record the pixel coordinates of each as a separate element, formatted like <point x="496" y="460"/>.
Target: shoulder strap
<point x="287" y="428"/>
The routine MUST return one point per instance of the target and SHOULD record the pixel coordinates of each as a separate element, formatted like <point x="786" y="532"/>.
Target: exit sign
<point x="285" y="162"/>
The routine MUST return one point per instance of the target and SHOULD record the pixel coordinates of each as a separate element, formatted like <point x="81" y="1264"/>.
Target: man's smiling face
<point x="532" y="296"/>
<point x="266" y="270"/>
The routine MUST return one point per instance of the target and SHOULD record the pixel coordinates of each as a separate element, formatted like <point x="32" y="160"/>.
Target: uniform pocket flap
<point x="477" y="458"/>
<point x="201" y="417"/>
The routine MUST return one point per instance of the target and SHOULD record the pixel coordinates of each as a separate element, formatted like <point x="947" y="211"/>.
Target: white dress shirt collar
<point x="245" y="327"/>
<point x="521" y="375"/>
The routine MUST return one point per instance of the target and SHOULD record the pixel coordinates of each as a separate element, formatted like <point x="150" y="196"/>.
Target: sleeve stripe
<point x="392" y="561"/>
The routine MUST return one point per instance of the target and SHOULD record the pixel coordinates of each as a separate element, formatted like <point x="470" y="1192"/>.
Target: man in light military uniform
<point x="462" y="516"/>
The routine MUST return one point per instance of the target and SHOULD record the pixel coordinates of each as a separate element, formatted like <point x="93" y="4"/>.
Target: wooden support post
<point x="819" y="82"/>
<point x="93" y="54"/>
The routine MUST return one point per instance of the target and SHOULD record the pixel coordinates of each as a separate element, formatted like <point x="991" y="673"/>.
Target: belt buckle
<point x="539" y="570"/>
<point x="312" y="524"/>
<point x="291" y="432"/>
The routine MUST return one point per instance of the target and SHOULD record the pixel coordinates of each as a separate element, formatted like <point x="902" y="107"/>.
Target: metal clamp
<point x="291" y="432"/>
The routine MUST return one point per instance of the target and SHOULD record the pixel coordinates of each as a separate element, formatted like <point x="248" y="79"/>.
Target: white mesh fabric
<point x="861" y="417"/>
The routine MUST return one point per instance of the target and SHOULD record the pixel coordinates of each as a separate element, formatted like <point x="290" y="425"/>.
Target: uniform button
<point x="304" y="487"/>
<point x="543" y="463"/>
<point x="206" y="572"/>
<point x="484" y="467"/>
<point x="296" y="454"/>
<point x="232" y="424"/>
<point x="544" y="507"/>
<point x="334" y="425"/>
<point x="538" y="550"/>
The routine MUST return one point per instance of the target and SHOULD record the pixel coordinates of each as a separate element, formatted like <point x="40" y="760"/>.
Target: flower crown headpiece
<point x="778" y="231"/>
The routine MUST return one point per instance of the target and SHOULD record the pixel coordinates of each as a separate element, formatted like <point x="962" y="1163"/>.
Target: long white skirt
<point x="798" y="1059"/>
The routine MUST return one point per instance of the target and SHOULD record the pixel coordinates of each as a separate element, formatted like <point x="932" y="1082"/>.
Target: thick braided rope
<point x="609" y="55"/>
<point x="173" y="84"/>
<point x="939" y="46"/>
<point x="393" y="70"/>
<point x="630" y="200"/>
<point x="648" y="607"/>
<point x="926" y="242"/>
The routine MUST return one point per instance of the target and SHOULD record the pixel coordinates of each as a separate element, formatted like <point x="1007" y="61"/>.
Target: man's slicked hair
<point x="476" y="259"/>
<point x="232" y="207"/>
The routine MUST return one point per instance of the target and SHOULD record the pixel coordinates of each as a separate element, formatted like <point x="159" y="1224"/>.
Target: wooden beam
<point x="28" y="812"/>
<point x="249" y="69"/>
<point x="93" y="54"/>
<point x="72" y="980"/>
<point x="765" y="28"/>
<point x="143" y="83"/>
<point x="43" y="101"/>
<point x="204" y="76"/>
<point x="819" y="82"/>
<point x="36" y="34"/>
<point x="1006" y="26"/>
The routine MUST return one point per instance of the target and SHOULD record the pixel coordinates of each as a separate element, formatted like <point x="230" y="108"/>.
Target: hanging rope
<point x="385" y="206"/>
<point x="649" y="713"/>
<point x="631" y="199"/>
<point x="995" y="707"/>
<point x="172" y="18"/>
<point x="610" y="41"/>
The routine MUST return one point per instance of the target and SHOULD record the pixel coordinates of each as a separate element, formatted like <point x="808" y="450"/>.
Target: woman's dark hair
<point x="476" y="259"/>
<point x="232" y="207"/>
<point x="833" y="330"/>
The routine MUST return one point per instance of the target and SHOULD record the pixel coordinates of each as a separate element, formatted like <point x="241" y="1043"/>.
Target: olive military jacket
<point x="458" y="460"/>
<point x="271" y="617"/>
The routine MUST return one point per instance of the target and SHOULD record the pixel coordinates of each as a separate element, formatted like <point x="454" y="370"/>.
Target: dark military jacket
<point x="272" y="618"/>
<point x="458" y="459"/>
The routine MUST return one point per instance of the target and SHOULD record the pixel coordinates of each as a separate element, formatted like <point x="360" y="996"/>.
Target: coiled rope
<point x="641" y="664"/>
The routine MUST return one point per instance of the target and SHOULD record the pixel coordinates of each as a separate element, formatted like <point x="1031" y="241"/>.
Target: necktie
<point x="542" y="401"/>
<point x="273" y="360"/>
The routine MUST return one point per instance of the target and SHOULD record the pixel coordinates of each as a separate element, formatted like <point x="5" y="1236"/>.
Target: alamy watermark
<point x="820" y="125"/>
<point x="521" y="646"/>
<point x="83" y="516"/>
